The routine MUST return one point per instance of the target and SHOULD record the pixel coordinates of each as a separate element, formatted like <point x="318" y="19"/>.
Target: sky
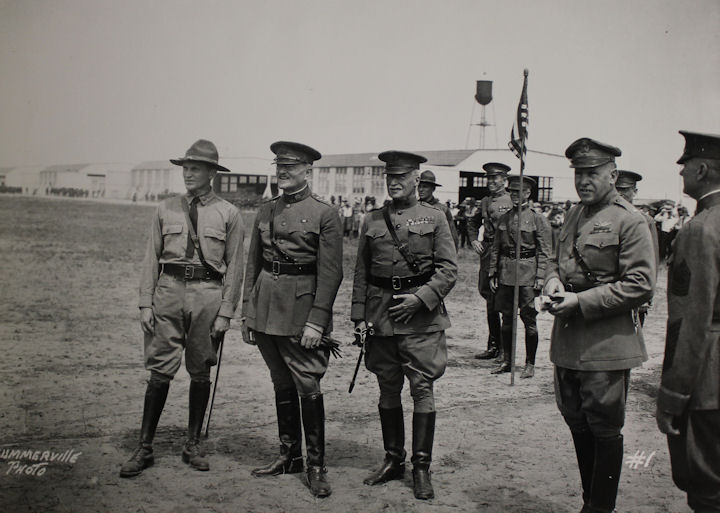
<point x="108" y="81"/>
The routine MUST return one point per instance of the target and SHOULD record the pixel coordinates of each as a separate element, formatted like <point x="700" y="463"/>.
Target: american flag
<point x="517" y="142"/>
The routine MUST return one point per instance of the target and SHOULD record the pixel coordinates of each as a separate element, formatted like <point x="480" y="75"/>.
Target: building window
<point x="224" y="183"/>
<point x="340" y="180"/>
<point x="378" y="181"/>
<point x="463" y="181"/>
<point x="545" y="186"/>
<point x="358" y="180"/>
<point x="323" y="185"/>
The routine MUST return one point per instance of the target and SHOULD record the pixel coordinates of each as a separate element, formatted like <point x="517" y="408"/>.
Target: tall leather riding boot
<point x="423" y="434"/>
<point x="193" y="452"/>
<point x="313" y="416"/>
<point x="491" y="351"/>
<point x="506" y="352"/>
<point x="155" y="396"/>
<point x="606" y="474"/>
<point x="585" y="451"/>
<point x="393" y="431"/>
<point x="290" y="461"/>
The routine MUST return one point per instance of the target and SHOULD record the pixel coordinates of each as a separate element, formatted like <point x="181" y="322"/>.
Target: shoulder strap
<point x="402" y="247"/>
<point x="193" y="235"/>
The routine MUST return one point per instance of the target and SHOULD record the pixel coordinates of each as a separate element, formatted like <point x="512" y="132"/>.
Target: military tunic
<point x="416" y="349"/>
<point x="442" y="206"/>
<point x="690" y="384"/>
<point x="614" y="242"/>
<point x="307" y="230"/>
<point x="186" y="310"/>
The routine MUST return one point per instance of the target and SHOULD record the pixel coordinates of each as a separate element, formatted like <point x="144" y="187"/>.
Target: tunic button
<point x="283" y="223"/>
<point x="397" y="226"/>
<point x="399" y="212"/>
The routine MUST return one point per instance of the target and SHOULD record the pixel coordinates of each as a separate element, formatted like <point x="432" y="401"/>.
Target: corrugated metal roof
<point x="435" y="158"/>
<point x="65" y="168"/>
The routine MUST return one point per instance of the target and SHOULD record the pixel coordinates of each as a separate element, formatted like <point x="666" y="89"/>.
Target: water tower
<point x="483" y="96"/>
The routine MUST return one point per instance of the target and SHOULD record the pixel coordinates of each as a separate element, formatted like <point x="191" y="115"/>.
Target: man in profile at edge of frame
<point x="189" y="289"/>
<point x="688" y="403"/>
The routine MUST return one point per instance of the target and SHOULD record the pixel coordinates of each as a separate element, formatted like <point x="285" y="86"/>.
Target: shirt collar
<point x="204" y="198"/>
<point x="297" y="196"/>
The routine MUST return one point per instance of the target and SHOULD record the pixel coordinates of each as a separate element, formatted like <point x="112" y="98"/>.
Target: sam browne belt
<point x="524" y="253"/>
<point x="400" y="282"/>
<point x="189" y="272"/>
<point x="276" y="267"/>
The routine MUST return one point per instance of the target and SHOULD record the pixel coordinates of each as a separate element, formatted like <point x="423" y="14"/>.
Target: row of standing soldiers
<point x="603" y="270"/>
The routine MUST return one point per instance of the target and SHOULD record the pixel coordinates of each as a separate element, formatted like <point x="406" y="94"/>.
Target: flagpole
<point x="518" y="235"/>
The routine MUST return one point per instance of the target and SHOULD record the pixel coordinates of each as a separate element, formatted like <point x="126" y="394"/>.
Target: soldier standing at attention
<point x="688" y="404"/>
<point x="535" y="250"/>
<point x="426" y="188"/>
<point x="491" y="208"/>
<point x="294" y="270"/>
<point x="189" y="289"/>
<point x="626" y="186"/>
<point x="406" y="265"/>
<point x="603" y="270"/>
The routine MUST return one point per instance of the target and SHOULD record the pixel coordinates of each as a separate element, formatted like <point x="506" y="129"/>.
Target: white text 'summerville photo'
<point x="384" y="256"/>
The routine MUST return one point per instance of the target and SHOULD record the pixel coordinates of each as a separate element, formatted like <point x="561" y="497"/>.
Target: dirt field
<point x="72" y="380"/>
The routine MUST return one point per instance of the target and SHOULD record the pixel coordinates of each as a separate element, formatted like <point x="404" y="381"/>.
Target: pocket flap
<point x="601" y="240"/>
<point x="305" y="285"/>
<point x="376" y="231"/>
<point x="172" y="228"/>
<point x="215" y="234"/>
<point x="422" y="228"/>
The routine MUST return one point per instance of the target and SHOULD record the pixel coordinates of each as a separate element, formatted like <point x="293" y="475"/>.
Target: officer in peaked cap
<point x="626" y="186"/>
<point x="189" y="288"/>
<point x="535" y="248"/>
<point x="603" y="270"/>
<point x="491" y="208"/>
<point x="426" y="187"/>
<point x="406" y="265"/>
<point x="293" y="272"/>
<point x="688" y="403"/>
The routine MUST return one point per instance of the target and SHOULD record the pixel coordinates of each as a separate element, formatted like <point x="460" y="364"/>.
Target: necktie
<point x="190" y="250"/>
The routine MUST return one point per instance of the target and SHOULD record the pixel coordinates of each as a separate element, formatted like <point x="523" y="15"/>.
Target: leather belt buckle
<point x="189" y="275"/>
<point x="396" y="283"/>
<point x="275" y="267"/>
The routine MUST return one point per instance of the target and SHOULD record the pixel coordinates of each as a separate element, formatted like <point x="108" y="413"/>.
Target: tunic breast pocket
<point x="600" y="252"/>
<point x="306" y="230"/>
<point x="420" y="238"/>
<point x="174" y="240"/>
<point x="214" y="245"/>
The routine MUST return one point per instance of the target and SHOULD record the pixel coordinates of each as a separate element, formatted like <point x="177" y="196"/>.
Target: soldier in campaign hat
<point x="492" y="207"/>
<point x="535" y="248"/>
<point x="688" y="403"/>
<point x="626" y="185"/>
<point x="426" y="188"/>
<point x="406" y="265"/>
<point x="294" y="270"/>
<point x="603" y="270"/>
<point x="189" y="288"/>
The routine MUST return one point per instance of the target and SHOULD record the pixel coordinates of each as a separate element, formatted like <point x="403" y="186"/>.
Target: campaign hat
<point x="202" y="150"/>
<point x="428" y="177"/>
